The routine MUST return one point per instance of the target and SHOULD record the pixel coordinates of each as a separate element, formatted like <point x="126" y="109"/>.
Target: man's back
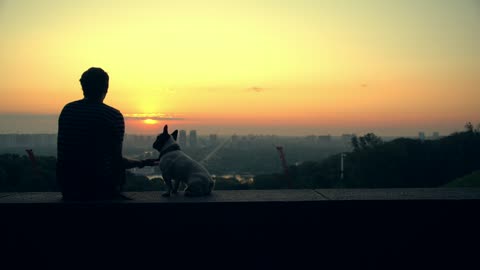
<point x="89" y="154"/>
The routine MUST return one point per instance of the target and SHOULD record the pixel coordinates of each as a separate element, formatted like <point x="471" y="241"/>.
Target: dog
<point x="178" y="166"/>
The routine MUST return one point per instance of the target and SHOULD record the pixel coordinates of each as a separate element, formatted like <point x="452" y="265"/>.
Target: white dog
<point x="178" y="166"/>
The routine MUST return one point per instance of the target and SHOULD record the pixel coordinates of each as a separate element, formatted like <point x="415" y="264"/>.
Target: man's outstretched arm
<point x="132" y="163"/>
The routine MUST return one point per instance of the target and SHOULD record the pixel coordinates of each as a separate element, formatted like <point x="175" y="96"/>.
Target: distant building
<point x="421" y="136"/>
<point x="127" y="139"/>
<point x="23" y="140"/>
<point x="324" y="139"/>
<point x="193" y="138"/>
<point x="311" y="139"/>
<point x="235" y="139"/>
<point x="7" y="140"/>
<point x="150" y="140"/>
<point x="348" y="137"/>
<point x="182" y="138"/>
<point x="37" y="140"/>
<point x="213" y="139"/>
<point x="53" y="139"/>
<point x="134" y="140"/>
<point x="436" y="135"/>
<point x="44" y="140"/>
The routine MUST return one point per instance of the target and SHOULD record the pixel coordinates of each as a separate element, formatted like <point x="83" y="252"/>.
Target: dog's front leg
<point x="168" y="184"/>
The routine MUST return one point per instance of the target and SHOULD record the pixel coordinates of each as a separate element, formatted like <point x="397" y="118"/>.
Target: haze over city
<point x="223" y="67"/>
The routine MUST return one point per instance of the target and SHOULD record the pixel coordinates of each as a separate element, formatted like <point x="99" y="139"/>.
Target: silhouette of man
<point x="90" y="165"/>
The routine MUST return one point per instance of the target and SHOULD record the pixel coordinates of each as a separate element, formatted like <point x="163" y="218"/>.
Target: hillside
<point x="401" y="163"/>
<point x="471" y="180"/>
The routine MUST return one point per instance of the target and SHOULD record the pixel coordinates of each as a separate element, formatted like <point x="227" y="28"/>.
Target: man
<point x="90" y="165"/>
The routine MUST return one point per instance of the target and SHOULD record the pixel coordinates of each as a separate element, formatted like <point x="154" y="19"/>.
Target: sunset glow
<point x="325" y="66"/>
<point x="150" y="122"/>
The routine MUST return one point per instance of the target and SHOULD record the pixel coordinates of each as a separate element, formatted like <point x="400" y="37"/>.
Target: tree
<point x="355" y="143"/>
<point x="369" y="140"/>
<point x="469" y="127"/>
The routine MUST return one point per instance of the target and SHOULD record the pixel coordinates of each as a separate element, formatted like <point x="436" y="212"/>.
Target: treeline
<point x="401" y="163"/>
<point x="262" y="157"/>
<point x="18" y="173"/>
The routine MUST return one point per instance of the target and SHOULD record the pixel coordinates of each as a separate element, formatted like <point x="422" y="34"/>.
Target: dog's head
<point x="163" y="138"/>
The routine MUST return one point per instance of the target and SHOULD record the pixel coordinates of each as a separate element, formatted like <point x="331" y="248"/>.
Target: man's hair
<point x="94" y="82"/>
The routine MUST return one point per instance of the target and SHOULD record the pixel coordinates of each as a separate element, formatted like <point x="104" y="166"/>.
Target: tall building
<point x="436" y="135"/>
<point x="213" y="139"/>
<point x="193" y="138"/>
<point x="182" y="138"/>
<point x="421" y="136"/>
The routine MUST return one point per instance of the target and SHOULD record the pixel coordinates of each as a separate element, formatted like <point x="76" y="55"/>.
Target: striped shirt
<point x="89" y="150"/>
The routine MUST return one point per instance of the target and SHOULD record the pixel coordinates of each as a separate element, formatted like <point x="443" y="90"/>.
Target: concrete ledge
<point x="155" y="197"/>
<point x="258" y="196"/>
<point x="234" y="208"/>
<point x="402" y="194"/>
<point x="384" y="229"/>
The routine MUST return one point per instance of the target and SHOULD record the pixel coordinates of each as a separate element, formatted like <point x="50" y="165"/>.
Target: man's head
<point x="94" y="83"/>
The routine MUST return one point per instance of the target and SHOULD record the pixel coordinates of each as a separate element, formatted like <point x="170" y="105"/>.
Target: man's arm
<point x="126" y="162"/>
<point x="132" y="163"/>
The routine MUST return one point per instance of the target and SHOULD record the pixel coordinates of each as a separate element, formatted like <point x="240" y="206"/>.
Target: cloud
<point x="256" y="89"/>
<point x="152" y="116"/>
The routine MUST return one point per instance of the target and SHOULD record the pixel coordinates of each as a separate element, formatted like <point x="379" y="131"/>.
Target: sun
<point x="150" y="121"/>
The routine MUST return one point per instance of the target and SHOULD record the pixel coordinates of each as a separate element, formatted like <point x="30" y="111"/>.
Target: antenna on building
<point x="342" y="156"/>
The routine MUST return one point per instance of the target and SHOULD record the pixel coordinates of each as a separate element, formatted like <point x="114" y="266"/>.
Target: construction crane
<point x="284" y="165"/>
<point x="32" y="158"/>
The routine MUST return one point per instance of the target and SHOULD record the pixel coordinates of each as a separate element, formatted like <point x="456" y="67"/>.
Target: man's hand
<point x="148" y="162"/>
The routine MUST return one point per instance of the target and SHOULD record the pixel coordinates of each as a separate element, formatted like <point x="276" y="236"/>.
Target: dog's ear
<point x="175" y="134"/>
<point x="165" y="129"/>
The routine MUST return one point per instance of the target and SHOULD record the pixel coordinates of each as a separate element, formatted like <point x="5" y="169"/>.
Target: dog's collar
<point x="171" y="148"/>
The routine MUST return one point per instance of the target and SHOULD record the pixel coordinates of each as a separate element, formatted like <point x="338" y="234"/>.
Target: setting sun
<point x="328" y="66"/>
<point x="150" y="122"/>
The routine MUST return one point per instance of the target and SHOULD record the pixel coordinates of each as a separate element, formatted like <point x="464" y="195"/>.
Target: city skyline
<point x="47" y="124"/>
<point x="49" y="139"/>
<point x="40" y="123"/>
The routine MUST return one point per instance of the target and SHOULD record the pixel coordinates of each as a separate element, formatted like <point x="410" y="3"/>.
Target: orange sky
<point x="327" y="66"/>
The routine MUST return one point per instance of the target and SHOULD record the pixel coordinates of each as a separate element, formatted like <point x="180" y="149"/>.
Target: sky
<point x="288" y="67"/>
